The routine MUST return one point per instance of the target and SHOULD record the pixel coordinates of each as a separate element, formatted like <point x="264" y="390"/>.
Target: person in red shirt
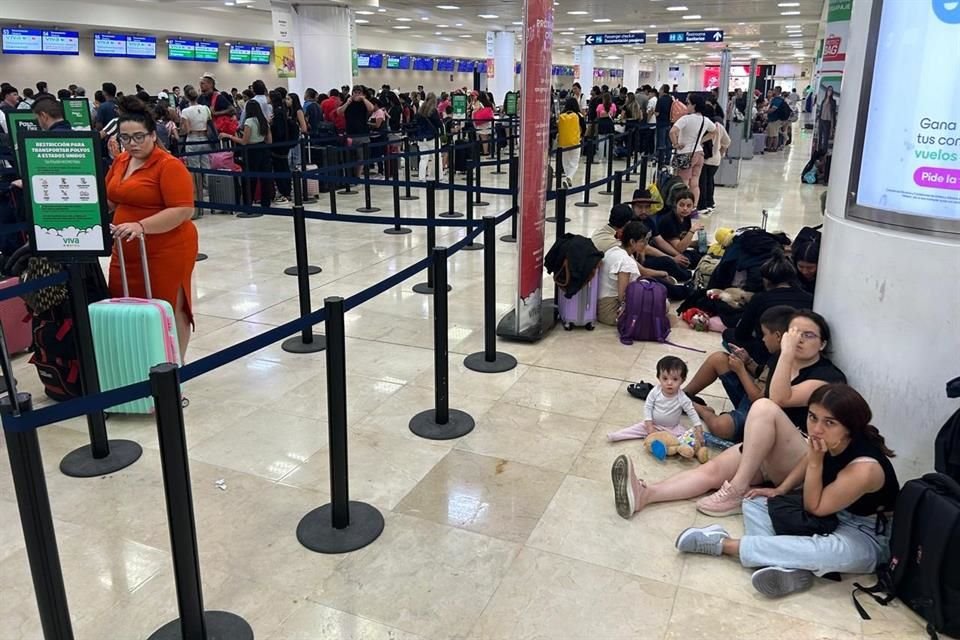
<point x="329" y="108"/>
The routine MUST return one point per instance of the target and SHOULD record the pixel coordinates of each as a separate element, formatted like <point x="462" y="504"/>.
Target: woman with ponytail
<point x="849" y="490"/>
<point x="150" y="193"/>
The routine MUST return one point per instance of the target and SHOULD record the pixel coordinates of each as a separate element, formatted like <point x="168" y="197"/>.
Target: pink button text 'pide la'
<point x="937" y="178"/>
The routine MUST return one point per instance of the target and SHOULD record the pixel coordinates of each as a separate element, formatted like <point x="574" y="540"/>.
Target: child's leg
<point x="633" y="432"/>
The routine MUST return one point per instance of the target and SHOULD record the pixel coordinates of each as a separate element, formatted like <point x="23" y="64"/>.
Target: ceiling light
<point x="403" y="19"/>
<point x="424" y="18"/>
<point x="793" y="26"/>
<point x="789" y="13"/>
<point x="788" y="4"/>
<point x="695" y="16"/>
<point x="438" y="33"/>
<point x="612" y="58"/>
<point x="226" y="44"/>
<point x="361" y="21"/>
<point x="487" y="16"/>
<point x="364" y="13"/>
<point x="637" y="31"/>
<point x="459" y="24"/>
<point x="601" y="19"/>
<point x="677" y="8"/>
<point x="578" y="13"/>
<point x="796" y="35"/>
<point x="711" y="29"/>
<point x="443" y="26"/>
<point x="381" y="10"/>
<point x="401" y="27"/>
<point x="519" y="24"/>
<point x="653" y="26"/>
<point x="448" y="7"/>
<point x="466" y="35"/>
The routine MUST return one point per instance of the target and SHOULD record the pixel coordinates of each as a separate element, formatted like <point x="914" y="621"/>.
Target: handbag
<point x="789" y="518"/>
<point x="685" y="160"/>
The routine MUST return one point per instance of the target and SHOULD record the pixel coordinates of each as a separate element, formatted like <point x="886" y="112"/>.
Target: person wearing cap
<point x="658" y="253"/>
<point x="611" y="235"/>
<point x="210" y="97"/>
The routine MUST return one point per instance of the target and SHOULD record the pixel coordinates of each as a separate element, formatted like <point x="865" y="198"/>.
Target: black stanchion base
<point x="476" y="246"/>
<point x="585" y="204"/>
<point x="410" y="197"/>
<point x="423" y="287"/>
<point x="506" y="329"/>
<point x="554" y="219"/>
<point x="347" y="192"/>
<point x="425" y="425"/>
<point x="511" y="239"/>
<point x="479" y="363"/>
<point x="297" y="345"/>
<point x="480" y="203"/>
<point x="311" y="270"/>
<point x="245" y="216"/>
<point x="604" y="193"/>
<point x="392" y="231"/>
<point x="317" y="533"/>
<point x="80" y="463"/>
<point x="221" y="625"/>
<point x="368" y="209"/>
<point x="629" y="181"/>
<point x="450" y="214"/>
<point x="201" y="257"/>
<point x="498" y="173"/>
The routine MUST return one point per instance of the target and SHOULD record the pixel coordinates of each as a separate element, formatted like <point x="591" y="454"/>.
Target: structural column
<point x="631" y="72"/>
<point x="889" y="293"/>
<point x="324" y="47"/>
<point x="504" y="65"/>
<point x="586" y="69"/>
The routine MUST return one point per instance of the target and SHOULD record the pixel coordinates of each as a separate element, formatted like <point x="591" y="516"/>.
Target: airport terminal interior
<point x="530" y="525"/>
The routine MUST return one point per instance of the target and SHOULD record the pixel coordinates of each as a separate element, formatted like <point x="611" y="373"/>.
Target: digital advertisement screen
<point x="22" y="41"/>
<point x="445" y="64"/>
<point x="423" y="64"/>
<point x="181" y="49"/>
<point x="61" y="43"/>
<point x="909" y="170"/>
<point x="208" y="51"/>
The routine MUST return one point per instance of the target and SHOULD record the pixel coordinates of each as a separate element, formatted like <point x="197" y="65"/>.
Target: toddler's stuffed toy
<point x="697" y="319"/>
<point x="723" y="237"/>
<point x="663" y="444"/>
<point x="733" y="296"/>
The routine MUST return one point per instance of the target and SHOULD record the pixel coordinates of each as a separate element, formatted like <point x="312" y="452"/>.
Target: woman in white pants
<point x="429" y="126"/>
<point x="849" y="490"/>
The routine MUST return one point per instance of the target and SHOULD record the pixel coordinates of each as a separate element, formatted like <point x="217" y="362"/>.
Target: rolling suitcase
<point x="581" y="309"/>
<point x="131" y="335"/>
<point x="759" y="143"/>
<point x="17" y="326"/>
<point x="222" y="190"/>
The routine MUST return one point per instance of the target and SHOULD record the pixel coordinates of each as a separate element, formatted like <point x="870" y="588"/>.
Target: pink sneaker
<point x="627" y="489"/>
<point x="725" y="502"/>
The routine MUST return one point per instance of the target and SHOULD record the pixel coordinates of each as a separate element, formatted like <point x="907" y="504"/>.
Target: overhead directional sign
<point x="615" y="38"/>
<point x="682" y="37"/>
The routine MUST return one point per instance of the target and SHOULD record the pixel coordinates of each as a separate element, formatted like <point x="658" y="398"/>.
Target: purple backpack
<point x="645" y="313"/>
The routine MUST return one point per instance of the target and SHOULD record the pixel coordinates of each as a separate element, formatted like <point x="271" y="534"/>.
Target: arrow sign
<point x="615" y="38"/>
<point x="683" y="37"/>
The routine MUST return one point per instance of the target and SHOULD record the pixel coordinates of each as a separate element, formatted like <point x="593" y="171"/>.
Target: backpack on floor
<point x="55" y="355"/>
<point x="947" y="448"/>
<point x="924" y="567"/>
<point x="644" y="316"/>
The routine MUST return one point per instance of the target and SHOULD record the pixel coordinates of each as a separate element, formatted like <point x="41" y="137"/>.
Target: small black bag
<point x="789" y="518"/>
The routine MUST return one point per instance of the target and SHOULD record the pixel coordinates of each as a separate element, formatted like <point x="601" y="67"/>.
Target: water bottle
<point x="702" y="241"/>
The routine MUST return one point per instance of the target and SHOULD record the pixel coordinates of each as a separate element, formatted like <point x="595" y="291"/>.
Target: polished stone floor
<point x="506" y="534"/>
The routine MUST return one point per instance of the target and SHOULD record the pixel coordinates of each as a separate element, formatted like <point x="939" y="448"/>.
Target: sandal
<point x="640" y="389"/>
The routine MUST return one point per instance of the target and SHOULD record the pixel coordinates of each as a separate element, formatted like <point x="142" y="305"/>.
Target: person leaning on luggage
<point x="621" y="265"/>
<point x="150" y="193"/>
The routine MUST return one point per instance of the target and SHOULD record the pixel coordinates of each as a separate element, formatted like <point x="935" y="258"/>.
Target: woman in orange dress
<point x="151" y="194"/>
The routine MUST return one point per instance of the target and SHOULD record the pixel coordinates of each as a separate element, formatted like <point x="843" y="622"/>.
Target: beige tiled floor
<point x="506" y="534"/>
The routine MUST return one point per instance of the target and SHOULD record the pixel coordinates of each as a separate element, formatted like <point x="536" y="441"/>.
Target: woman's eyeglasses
<point x="127" y="138"/>
<point x="809" y="335"/>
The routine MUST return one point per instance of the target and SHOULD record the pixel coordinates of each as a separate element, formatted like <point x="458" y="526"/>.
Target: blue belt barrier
<point x="33" y="285"/>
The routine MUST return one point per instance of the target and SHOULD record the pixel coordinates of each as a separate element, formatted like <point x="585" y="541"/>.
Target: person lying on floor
<point x="838" y="524"/>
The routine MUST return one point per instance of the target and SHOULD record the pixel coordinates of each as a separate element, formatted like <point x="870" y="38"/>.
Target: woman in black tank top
<point x="849" y="489"/>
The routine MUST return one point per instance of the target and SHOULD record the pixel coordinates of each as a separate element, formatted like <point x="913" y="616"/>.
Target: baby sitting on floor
<point x="665" y="404"/>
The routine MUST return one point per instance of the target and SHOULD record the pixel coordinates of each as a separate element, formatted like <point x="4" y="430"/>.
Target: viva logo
<point x="947" y="10"/>
<point x="71" y="241"/>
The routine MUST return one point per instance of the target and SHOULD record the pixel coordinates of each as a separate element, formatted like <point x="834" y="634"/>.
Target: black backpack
<point x="924" y="567"/>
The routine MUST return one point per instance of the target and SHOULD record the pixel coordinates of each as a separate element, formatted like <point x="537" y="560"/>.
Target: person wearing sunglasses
<point x="151" y="195"/>
<point x="774" y="439"/>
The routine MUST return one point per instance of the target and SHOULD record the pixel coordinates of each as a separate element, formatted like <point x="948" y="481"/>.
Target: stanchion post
<point x="441" y="422"/>
<point x="101" y="456"/>
<point x="406" y="171"/>
<point x="331" y="184"/>
<point x="350" y="171"/>
<point x="489" y="360"/>
<point x="611" y="142"/>
<point x="307" y="341"/>
<point x="428" y="286"/>
<point x="591" y="151"/>
<point x="451" y="211"/>
<point x="499" y="170"/>
<point x="341" y="525"/>
<point x="477" y="162"/>
<point x="396" y="229"/>
<point x="194" y="620"/>
<point x="561" y="209"/>
<point x="643" y="171"/>
<point x="36" y="519"/>
<point x="471" y="245"/>
<point x="558" y="173"/>
<point x="631" y="152"/>
<point x="618" y="187"/>
<point x="367" y="205"/>
<point x="305" y="147"/>
<point x="511" y="142"/>
<point x="514" y="168"/>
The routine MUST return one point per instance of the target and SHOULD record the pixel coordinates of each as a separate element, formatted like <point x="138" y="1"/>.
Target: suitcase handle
<point x="143" y="266"/>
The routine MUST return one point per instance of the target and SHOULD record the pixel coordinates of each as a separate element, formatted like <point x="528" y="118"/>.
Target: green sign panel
<point x="460" y="106"/>
<point x="839" y="10"/>
<point x="63" y="184"/>
<point x="510" y="104"/>
<point x="76" y="111"/>
<point x="18" y="122"/>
